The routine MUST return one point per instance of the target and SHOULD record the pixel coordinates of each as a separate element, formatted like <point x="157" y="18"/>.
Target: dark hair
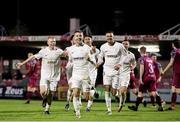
<point x="87" y="36"/>
<point x="78" y="31"/>
<point x="153" y="54"/>
<point x="176" y="43"/>
<point x="110" y="31"/>
<point x="125" y="40"/>
<point x="71" y="37"/>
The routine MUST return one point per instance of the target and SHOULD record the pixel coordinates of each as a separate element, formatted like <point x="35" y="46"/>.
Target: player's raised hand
<point x="162" y="73"/>
<point x="117" y="66"/>
<point x="140" y="81"/>
<point x="65" y="53"/>
<point x="18" y="65"/>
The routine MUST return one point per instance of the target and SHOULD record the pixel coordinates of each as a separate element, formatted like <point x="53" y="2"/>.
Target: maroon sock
<point x="173" y="98"/>
<point x="152" y="100"/>
<point x="138" y="101"/>
<point x="158" y="100"/>
<point x="28" y="96"/>
<point x="37" y="93"/>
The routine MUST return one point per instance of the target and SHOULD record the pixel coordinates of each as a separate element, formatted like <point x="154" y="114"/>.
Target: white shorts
<point x="69" y="75"/>
<point x="93" y="76"/>
<point x="51" y="85"/>
<point x="111" y="80"/>
<point x="81" y="82"/>
<point x="124" y="80"/>
<point x="69" y="69"/>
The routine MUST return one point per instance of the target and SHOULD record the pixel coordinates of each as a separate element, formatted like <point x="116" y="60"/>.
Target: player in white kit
<point x="80" y="56"/>
<point x="50" y="71"/>
<point x="69" y="68"/>
<point x="92" y="70"/>
<point x="124" y="77"/>
<point x="113" y="54"/>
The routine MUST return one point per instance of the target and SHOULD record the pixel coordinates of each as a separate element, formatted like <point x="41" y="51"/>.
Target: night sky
<point x="51" y="17"/>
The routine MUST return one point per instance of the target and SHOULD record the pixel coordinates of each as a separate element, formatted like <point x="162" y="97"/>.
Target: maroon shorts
<point x="147" y="86"/>
<point x="32" y="82"/>
<point x="176" y="80"/>
<point x="157" y="84"/>
<point x="132" y="84"/>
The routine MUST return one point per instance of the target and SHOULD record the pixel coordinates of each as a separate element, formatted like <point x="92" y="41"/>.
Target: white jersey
<point x="80" y="75"/>
<point x="50" y="69"/>
<point x="112" y="55"/>
<point x="92" y="67"/>
<point x="78" y="55"/>
<point x="94" y="56"/>
<point x="126" y="67"/>
<point x="125" y="70"/>
<point x="69" y="66"/>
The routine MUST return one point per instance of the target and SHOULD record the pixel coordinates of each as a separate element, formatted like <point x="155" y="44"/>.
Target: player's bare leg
<point x="69" y="98"/>
<point x="108" y="99"/>
<point x="76" y="95"/>
<point x="122" y="97"/>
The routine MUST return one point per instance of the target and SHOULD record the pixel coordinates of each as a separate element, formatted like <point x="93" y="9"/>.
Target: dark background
<point x="51" y="17"/>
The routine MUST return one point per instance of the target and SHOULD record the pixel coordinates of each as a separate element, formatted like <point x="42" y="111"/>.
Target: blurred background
<point x="25" y="26"/>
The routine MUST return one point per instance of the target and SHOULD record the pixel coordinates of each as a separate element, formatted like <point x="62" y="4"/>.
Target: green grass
<point x="16" y="110"/>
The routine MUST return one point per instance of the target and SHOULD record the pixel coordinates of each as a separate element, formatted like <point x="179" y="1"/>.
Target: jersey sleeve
<point x="60" y="51"/>
<point x="39" y="55"/>
<point x="123" y="54"/>
<point x="101" y="55"/>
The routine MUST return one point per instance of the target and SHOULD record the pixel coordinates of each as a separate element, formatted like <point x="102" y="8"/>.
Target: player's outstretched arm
<point x="168" y="66"/>
<point x="18" y="65"/>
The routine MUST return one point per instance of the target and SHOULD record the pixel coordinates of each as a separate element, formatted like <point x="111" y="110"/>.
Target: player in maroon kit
<point x="33" y="72"/>
<point x="157" y="69"/>
<point x="175" y="63"/>
<point x="132" y="83"/>
<point x="147" y="80"/>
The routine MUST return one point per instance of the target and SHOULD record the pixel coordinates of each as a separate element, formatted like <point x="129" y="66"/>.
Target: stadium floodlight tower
<point x="172" y="31"/>
<point x="84" y="28"/>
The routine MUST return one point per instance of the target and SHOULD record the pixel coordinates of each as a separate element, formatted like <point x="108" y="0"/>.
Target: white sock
<point x="89" y="104"/>
<point x="120" y="100"/>
<point x="92" y="93"/>
<point x="76" y="103"/>
<point x="47" y="107"/>
<point x="117" y="94"/>
<point x="80" y="103"/>
<point x="69" y="93"/>
<point x="108" y="100"/>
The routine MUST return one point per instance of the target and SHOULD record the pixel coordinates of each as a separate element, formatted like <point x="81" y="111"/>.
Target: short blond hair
<point x="51" y="37"/>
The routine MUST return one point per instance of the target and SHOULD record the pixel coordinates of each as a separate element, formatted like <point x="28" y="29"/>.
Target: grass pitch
<point x="16" y="110"/>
